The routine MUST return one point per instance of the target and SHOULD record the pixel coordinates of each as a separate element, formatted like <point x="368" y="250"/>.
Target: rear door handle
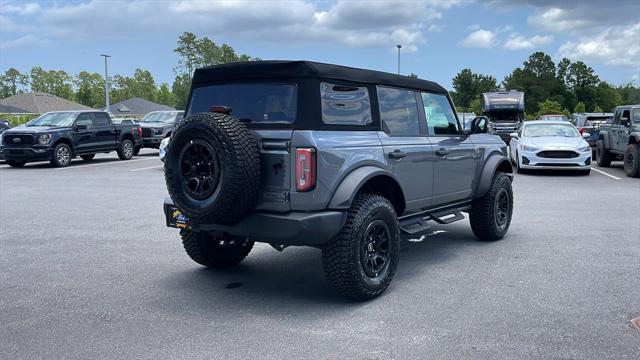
<point x="442" y="152"/>
<point x="397" y="154"/>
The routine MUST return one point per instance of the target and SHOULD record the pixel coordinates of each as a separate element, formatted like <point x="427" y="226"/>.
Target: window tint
<point x="440" y="117"/>
<point x="84" y="119"/>
<point x="251" y="102"/>
<point x="100" y="119"/>
<point x="398" y="111"/>
<point x="345" y="105"/>
<point x="616" y="117"/>
<point x="636" y="115"/>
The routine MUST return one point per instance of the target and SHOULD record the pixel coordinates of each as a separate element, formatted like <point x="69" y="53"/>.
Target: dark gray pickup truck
<point x="346" y="160"/>
<point x="620" y="139"/>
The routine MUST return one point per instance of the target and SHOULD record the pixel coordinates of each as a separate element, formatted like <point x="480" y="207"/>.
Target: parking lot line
<point x="104" y="163"/>
<point x="148" y="168"/>
<point x="604" y="173"/>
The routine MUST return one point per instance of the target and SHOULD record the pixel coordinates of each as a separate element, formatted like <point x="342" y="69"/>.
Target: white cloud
<point x="520" y="42"/>
<point x="618" y="45"/>
<point x="480" y="38"/>
<point x="19" y="8"/>
<point x="25" y="41"/>
<point x="347" y="23"/>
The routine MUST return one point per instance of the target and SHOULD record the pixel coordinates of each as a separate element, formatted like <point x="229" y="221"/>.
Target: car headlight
<point x="528" y="148"/>
<point x="44" y="139"/>
<point x="585" y="149"/>
<point x="159" y="131"/>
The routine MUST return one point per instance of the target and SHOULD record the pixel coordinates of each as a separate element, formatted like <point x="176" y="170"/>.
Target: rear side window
<point x="100" y="119"/>
<point x="345" y="105"/>
<point x="440" y="117"/>
<point x="253" y="102"/>
<point x="84" y="119"/>
<point x="398" y="111"/>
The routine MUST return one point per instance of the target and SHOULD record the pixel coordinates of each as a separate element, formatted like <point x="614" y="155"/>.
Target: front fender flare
<point x="604" y="135"/>
<point x="346" y="192"/>
<point x="634" y="135"/>
<point x="490" y="167"/>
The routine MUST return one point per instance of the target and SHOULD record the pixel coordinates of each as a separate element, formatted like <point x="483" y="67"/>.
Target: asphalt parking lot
<point x="88" y="270"/>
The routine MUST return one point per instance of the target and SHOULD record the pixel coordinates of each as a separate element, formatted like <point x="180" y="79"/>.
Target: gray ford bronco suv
<point x="346" y="160"/>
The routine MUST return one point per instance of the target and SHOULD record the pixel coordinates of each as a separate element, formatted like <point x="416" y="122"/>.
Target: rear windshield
<point x="253" y="102"/>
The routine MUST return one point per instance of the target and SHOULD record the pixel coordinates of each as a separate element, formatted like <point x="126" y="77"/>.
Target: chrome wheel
<point x="63" y="155"/>
<point x="127" y="149"/>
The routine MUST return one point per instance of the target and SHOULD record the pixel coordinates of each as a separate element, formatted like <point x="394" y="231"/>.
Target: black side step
<point x="415" y="224"/>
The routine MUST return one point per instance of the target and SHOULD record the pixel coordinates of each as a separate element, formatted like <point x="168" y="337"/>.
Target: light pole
<point x="106" y="82"/>
<point x="399" y="47"/>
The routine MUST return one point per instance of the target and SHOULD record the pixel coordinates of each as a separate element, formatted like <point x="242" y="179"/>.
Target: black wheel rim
<point x="374" y="250"/>
<point x="200" y="169"/>
<point x="502" y="208"/>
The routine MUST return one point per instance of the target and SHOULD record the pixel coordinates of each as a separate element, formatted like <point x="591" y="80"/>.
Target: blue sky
<point x="439" y="37"/>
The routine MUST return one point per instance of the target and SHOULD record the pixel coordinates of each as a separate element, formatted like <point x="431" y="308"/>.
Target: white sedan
<point x="163" y="147"/>
<point x="550" y="145"/>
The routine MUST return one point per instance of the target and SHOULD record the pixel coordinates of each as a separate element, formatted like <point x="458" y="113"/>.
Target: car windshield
<point x="161" y="117"/>
<point x="54" y="119"/>
<point x="554" y="117"/>
<point x="538" y="130"/>
<point x="254" y="102"/>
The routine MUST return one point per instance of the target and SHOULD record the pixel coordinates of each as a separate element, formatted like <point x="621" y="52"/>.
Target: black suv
<point x="346" y="160"/>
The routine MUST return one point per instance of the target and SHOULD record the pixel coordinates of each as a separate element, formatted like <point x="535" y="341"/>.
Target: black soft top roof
<point x="283" y="69"/>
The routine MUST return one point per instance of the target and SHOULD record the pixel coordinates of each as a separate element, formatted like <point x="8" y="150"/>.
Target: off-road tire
<point x="234" y="177"/>
<point x="88" y="157"/>
<point x="632" y="160"/>
<point x="16" y="163"/>
<point x="136" y="150"/>
<point x="58" y="158"/>
<point x="483" y="215"/>
<point x="125" y="150"/>
<point x="342" y="257"/>
<point x="603" y="157"/>
<point x="206" y="250"/>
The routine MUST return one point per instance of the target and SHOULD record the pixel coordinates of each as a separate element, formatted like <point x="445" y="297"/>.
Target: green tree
<point x="629" y="94"/>
<point x="180" y="90"/>
<point x="579" y="108"/>
<point x="144" y="85"/>
<point x="598" y="109"/>
<point x="539" y="81"/>
<point x="549" y="107"/>
<point x="607" y="96"/>
<point x="468" y="86"/>
<point x="12" y="82"/>
<point x="165" y="96"/>
<point x="89" y="89"/>
<point x="55" y="82"/>
<point x="475" y="106"/>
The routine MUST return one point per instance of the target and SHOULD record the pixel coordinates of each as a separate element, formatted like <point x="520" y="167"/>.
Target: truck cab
<point x="505" y="110"/>
<point x="620" y="140"/>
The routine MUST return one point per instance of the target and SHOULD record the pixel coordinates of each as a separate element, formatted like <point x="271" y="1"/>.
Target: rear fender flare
<point x="634" y="138"/>
<point x="346" y="192"/>
<point x="492" y="165"/>
<point x="604" y="136"/>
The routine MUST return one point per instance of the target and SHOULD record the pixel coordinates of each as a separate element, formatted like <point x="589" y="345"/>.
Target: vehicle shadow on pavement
<point x="47" y="165"/>
<point x="296" y="276"/>
<point x="148" y="154"/>
<point x="565" y="173"/>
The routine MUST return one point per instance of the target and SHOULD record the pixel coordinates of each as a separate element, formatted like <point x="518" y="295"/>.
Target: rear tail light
<point x="581" y="130"/>
<point x="305" y="169"/>
<point x="139" y="131"/>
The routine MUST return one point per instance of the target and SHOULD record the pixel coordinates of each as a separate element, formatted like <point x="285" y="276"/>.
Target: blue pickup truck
<point x="59" y="136"/>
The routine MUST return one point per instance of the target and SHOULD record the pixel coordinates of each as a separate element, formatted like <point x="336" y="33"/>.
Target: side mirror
<point x="514" y="135"/>
<point x="625" y="121"/>
<point x="82" y="126"/>
<point x="479" y="125"/>
<point x="586" y="135"/>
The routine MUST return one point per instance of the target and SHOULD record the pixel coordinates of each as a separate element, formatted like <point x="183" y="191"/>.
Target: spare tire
<point x="212" y="168"/>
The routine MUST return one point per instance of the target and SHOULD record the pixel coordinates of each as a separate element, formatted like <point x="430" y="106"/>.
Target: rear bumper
<point x="26" y="154"/>
<point x="293" y="228"/>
